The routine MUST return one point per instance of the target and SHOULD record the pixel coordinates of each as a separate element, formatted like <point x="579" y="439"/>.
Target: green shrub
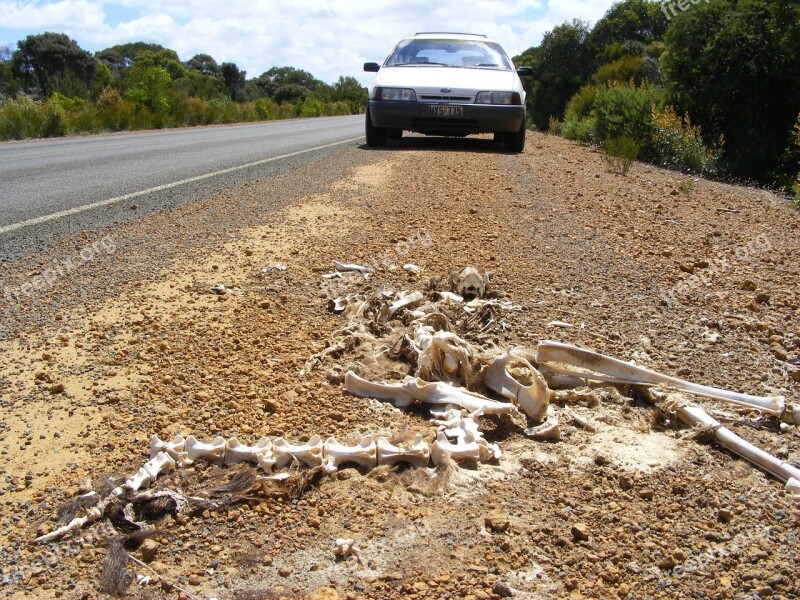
<point x="678" y="144"/>
<point x="580" y="129"/>
<point x="114" y="113"/>
<point x="621" y="153"/>
<point x="582" y="103"/>
<point x="625" y="110"/>
<point x="555" y="126"/>
<point x="627" y="68"/>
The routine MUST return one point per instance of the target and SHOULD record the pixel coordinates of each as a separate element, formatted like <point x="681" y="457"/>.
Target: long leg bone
<point x="417" y="454"/>
<point x="571" y="360"/>
<point x="310" y="453"/>
<point x="363" y="454"/>
<point x="92" y="515"/>
<point x="694" y="415"/>
<point x="404" y="394"/>
<point x="533" y="399"/>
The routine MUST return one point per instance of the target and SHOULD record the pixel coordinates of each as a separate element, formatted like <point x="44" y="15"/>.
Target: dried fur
<point x="81" y="503"/>
<point x="114" y="575"/>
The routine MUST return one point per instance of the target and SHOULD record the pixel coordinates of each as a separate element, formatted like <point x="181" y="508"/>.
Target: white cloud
<point x="329" y="38"/>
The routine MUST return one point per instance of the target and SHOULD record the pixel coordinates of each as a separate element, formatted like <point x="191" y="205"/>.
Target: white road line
<point x="159" y="188"/>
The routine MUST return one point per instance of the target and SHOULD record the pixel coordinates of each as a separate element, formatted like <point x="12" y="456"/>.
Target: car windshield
<point x="449" y="53"/>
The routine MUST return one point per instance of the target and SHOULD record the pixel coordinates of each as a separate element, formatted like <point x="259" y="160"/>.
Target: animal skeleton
<point x="469" y="283"/>
<point x="533" y="398"/>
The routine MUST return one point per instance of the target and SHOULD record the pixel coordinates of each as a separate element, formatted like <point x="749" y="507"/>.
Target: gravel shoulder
<point x="686" y="276"/>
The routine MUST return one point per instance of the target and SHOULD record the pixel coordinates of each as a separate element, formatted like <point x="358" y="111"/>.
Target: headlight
<point x="398" y="94"/>
<point x="498" y="98"/>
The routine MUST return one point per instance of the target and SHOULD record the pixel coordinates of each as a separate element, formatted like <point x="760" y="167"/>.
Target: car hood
<point x="457" y="79"/>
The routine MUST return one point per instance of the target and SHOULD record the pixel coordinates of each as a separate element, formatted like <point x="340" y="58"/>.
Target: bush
<point x="627" y="68"/>
<point x="621" y="153"/>
<point x="555" y="126"/>
<point x="114" y="113"/>
<point x="24" y="118"/>
<point x="679" y="145"/>
<point x="625" y="110"/>
<point x="582" y="103"/>
<point x="580" y="129"/>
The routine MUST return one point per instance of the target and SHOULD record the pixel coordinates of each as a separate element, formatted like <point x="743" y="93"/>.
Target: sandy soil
<point x="693" y="278"/>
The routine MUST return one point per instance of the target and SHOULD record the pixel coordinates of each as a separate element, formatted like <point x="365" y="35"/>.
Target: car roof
<point x="450" y="35"/>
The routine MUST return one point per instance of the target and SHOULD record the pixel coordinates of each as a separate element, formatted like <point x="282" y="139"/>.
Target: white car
<point x="447" y="84"/>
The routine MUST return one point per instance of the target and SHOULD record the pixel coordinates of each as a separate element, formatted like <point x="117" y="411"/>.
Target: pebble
<point x="148" y="550"/>
<point x="497" y="520"/>
<point x="580" y="532"/>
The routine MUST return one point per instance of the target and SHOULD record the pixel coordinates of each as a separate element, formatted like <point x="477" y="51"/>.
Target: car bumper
<point x="476" y="118"/>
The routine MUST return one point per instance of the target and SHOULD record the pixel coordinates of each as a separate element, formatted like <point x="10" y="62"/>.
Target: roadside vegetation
<point x="711" y="90"/>
<point x="50" y="86"/>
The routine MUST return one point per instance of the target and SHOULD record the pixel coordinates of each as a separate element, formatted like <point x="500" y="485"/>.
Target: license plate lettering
<point x="445" y="110"/>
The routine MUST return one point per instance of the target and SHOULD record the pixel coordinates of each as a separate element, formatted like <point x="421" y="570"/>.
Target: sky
<point x="328" y="38"/>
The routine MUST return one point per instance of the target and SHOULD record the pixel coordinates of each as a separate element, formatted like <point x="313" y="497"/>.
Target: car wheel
<point x="500" y="137"/>
<point x="515" y="142"/>
<point x="376" y="136"/>
<point x="394" y="134"/>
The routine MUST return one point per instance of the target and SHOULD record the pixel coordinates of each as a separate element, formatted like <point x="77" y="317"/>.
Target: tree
<point x="350" y="90"/>
<point x="628" y="27"/>
<point x="562" y="64"/>
<point x="122" y="56"/>
<point x="52" y="62"/>
<point x="149" y="86"/>
<point x="287" y="77"/>
<point x="234" y="80"/>
<point x="733" y="65"/>
<point x="166" y="59"/>
<point x="203" y="63"/>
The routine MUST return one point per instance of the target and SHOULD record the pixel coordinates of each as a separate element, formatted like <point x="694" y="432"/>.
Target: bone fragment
<point x="236" y="452"/>
<point x="363" y="454"/>
<point x="578" y="419"/>
<point x="450" y="297"/>
<point x="474" y="451"/>
<point x="533" y="399"/>
<point x="92" y="515"/>
<point x="176" y="448"/>
<point x="414" y="389"/>
<point x="412" y="268"/>
<point x="214" y="452"/>
<point x="310" y="453"/>
<point x="345" y="267"/>
<point x="160" y="463"/>
<point x="694" y="415"/>
<point x="417" y="454"/>
<point x="561" y="324"/>
<point x="445" y="357"/>
<point x="571" y="360"/>
<point x="404" y="301"/>
<point x="549" y="430"/>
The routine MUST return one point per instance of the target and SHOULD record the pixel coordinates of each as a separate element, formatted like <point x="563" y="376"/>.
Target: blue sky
<point x="329" y="38"/>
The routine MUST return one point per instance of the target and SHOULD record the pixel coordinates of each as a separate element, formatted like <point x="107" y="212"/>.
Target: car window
<point x="449" y="53"/>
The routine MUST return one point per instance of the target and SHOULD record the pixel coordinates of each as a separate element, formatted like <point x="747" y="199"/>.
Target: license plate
<point x="444" y="110"/>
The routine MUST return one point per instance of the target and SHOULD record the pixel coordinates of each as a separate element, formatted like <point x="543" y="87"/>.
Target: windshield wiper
<point x="421" y="64"/>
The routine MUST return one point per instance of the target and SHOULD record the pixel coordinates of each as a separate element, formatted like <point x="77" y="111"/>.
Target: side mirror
<point x="372" y="67"/>
<point x="524" y="71"/>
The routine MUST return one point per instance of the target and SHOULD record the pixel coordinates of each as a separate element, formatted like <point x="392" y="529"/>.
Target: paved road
<point x="43" y="182"/>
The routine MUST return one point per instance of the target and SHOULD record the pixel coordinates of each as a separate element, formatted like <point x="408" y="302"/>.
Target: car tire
<point x="376" y="136"/>
<point x="515" y="142"/>
<point x="394" y="134"/>
<point x="500" y="138"/>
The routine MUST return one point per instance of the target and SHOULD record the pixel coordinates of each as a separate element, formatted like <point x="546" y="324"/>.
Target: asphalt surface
<point x="55" y="188"/>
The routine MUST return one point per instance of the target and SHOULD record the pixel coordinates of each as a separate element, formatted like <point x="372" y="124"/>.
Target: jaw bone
<point x="310" y="453"/>
<point x="417" y="454"/>
<point x="571" y="360"/>
<point x="404" y="394"/>
<point x="363" y="454"/>
<point x="533" y="399"/>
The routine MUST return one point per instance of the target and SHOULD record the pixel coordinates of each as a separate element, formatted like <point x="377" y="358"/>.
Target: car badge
<point x="446" y="90"/>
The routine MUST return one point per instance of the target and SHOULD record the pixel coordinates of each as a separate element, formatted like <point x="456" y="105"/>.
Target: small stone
<point x="762" y="298"/>
<point x="497" y="520"/>
<point x="284" y="571"/>
<point x="159" y="567"/>
<point x="580" y="532"/>
<point x="646" y="494"/>
<point x="502" y="589"/>
<point x="625" y="482"/>
<point x="57" y="388"/>
<point x="724" y="515"/>
<point x="194" y="580"/>
<point x="148" y="550"/>
<point x="325" y="593"/>
<point x="264" y="304"/>
<point x="271" y="405"/>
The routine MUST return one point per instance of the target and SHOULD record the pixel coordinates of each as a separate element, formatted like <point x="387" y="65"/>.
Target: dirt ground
<point x="693" y="278"/>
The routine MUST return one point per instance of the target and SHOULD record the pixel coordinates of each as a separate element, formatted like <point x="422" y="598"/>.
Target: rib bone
<point x="533" y="399"/>
<point x="404" y="394"/>
<point x="364" y="454"/>
<point x="417" y="454"/>
<point x="344" y="267"/>
<point x="571" y="360"/>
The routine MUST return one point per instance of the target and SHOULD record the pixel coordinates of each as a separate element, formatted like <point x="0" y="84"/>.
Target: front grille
<point x="446" y="98"/>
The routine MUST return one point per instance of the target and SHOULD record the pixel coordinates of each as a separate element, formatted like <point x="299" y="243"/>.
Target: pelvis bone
<point x="414" y="389"/>
<point x="533" y="398"/>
